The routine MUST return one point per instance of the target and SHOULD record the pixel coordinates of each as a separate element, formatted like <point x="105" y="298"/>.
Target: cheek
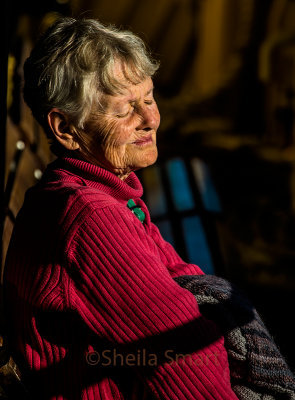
<point x="122" y="131"/>
<point x="115" y="141"/>
<point x="120" y="136"/>
<point x="108" y="133"/>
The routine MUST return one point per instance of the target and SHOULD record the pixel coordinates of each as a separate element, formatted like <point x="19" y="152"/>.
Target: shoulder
<point x="105" y="225"/>
<point x="79" y="204"/>
<point x="72" y="191"/>
<point x="85" y="204"/>
<point x="59" y="208"/>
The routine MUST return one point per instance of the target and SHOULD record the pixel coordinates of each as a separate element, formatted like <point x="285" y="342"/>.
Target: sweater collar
<point x="100" y="178"/>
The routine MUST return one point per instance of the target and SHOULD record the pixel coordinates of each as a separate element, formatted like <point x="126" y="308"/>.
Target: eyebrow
<point x="130" y="100"/>
<point x="146" y="94"/>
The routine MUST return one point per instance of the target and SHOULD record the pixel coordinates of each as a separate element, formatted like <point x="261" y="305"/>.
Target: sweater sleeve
<point x="126" y="296"/>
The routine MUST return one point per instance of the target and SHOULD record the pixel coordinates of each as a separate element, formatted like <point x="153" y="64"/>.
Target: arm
<point x="124" y="294"/>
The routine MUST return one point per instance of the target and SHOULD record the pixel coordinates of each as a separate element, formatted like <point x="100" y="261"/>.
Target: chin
<point x="149" y="159"/>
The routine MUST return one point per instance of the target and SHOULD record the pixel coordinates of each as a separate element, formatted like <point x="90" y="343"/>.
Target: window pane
<point x="196" y="243"/>
<point x="180" y="188"/>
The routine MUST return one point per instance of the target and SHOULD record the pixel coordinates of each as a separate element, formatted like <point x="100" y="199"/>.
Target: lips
<point x="144" y="140"/>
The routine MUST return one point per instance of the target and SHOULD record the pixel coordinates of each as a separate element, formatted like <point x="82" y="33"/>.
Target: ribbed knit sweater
<point x="92" y="304"/>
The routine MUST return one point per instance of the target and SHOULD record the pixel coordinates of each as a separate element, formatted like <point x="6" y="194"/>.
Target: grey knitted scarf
<point x="258" y="370"/>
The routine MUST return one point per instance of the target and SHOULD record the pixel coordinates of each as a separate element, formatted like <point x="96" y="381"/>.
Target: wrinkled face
<point x="123" y="135"/>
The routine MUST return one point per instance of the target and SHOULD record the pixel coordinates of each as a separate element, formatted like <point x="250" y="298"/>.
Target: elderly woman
<point x="94" y="310"/>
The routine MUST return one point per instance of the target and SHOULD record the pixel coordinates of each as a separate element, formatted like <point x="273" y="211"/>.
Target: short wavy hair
<point x="72" y="64"/>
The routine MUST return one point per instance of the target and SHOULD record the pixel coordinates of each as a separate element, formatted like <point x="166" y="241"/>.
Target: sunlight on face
<point x="123" y="135"/>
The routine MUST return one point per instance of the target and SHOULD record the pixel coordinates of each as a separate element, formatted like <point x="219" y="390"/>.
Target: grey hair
<point x="72" y="64"/>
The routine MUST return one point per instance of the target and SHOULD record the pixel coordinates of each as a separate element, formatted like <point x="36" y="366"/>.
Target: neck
<point x="121" y="173"/>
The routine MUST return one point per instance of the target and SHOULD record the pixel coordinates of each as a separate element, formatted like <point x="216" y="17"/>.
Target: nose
<point x="149" y="117"/>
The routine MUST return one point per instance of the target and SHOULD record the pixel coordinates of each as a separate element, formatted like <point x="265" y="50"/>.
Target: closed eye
<point x="132" y="107"/>
<point x="122" y="115"/>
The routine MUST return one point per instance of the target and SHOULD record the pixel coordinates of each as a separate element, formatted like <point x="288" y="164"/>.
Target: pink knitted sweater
<point x="93" y="307"/>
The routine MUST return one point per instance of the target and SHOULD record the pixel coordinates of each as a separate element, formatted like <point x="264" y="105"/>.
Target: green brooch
<point x="137" y="211"/>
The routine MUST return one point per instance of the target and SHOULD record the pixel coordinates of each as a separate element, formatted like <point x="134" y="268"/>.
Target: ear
<point x="59" y="124"/>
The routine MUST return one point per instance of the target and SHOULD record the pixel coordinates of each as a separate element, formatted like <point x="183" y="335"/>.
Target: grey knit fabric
<point x="258" y="370"/>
